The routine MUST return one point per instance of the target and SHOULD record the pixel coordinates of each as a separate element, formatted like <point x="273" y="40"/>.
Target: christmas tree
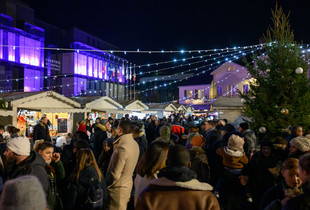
<point x="279" y="95"/>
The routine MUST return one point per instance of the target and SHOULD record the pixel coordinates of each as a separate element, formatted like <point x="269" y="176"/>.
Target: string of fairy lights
<point x="220" y="55"/>
<point x="68" y="85"/>
<point x="216" y="56"/>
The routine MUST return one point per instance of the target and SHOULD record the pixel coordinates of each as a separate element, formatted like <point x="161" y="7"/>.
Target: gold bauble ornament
<point x="284" y="111"/>
<point x="268" y="70"/>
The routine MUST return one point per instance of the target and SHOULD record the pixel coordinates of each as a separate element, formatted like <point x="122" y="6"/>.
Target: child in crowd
<point x="234" y="159"/>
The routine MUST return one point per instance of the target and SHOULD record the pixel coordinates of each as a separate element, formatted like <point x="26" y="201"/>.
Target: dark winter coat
<point x="212" y="138"/>
<point x="259" y="176"/>
<point x="250" y="141"/>
<point x="150" y="132"/>
<point x="301" y="201"/>
<point x="53" y="198"/>
<point x="99" y="137"/>
<point x="33" y="165"/>
<point x="104" y="160"/>
<point x="200" y="164"/>
<point x="79" y="135"/>
<point x="77" y="192"/>
<point x="41" y="131"/>
<point x="273" y="197"/>
<point x="142" y="146"/>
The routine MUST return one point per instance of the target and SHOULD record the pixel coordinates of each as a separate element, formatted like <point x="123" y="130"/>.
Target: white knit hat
<point x="19" y="145"/>
<point x="235" y="143"/>
<point x="302" y="143"/>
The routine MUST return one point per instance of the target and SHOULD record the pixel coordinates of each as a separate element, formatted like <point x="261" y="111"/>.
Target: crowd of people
<point x="178" y="162"/>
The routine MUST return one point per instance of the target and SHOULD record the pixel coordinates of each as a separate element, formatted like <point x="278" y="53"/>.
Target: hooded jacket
<point x="33" y="165"/>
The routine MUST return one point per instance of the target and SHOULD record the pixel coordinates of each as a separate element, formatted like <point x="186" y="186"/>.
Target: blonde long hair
<point x="85" y="158"/>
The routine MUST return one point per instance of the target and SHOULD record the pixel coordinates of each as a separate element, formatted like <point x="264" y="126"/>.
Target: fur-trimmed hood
<point x="193" y="184"/>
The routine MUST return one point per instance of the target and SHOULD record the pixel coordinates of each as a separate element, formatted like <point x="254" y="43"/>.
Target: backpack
<point x="95" y="196"/>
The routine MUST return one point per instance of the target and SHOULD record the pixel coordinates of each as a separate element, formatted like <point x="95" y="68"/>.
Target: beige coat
<point x="163" y="193"/>
<point x="119" y="175"/>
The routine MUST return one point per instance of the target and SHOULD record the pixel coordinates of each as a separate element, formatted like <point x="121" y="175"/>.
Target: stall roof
<point x="180" y="107"/>
<point x="100" y="103"/>
<point x="39" y="100"/>
<point x="12" y="96"/>
<point x="165" y="107"/>
<point x="133" y="105"/>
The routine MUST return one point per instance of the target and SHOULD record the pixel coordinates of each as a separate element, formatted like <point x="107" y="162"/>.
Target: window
<point x="231" y="68"/>
<point x="196" y="94"/>
<point x="219" y="91"/>
<point x="231" y="90"/>
<point x="189" y="94"/>
<point x="200" y="94"/>
<point x="185" y="94"/>
<point x="245" y="88"/>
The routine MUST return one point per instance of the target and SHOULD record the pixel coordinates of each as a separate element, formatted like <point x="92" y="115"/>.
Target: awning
<point x="64" y="110"/>
<point x="149" y="111"/>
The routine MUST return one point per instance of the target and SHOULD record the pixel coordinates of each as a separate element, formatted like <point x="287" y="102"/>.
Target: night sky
<point x="173" y="25"/>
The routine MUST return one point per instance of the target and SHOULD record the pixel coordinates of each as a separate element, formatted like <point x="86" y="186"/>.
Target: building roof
<point x="12" y="96"/>
<point x="225" y="64"/>
<point x="228" y="102"/>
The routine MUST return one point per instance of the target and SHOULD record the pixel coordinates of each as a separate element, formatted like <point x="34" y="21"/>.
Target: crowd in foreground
<point x="171" y="163"/>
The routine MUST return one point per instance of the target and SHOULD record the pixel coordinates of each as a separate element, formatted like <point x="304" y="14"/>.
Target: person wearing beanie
<point x="194" y="139"/>
<point x="21" y="161"/>
<point x="81" y="133"/>
<point x="299" y="146"/>
<point x="24" y="192"/>
<point x="259" y="173"/>
<point x="100" y="134"/>
<point x="233" y="160"/>
<point x="164" y="133"/>
<point x="249" y="138"/>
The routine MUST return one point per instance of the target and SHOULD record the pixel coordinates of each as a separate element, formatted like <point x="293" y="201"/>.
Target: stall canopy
<point x="180" y="107"/>
<point x="162" y="108"/>
<point x="45" y="102"/>
<point x="134" y="106"/>
<point x="100" y="103"/>
<point x="190" y="109"/>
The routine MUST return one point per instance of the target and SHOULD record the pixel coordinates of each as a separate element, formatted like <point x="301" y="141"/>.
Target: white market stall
<point x="100" y="106"/>
<point x="136" y="108"/>
<point x="181" y="108"/>
<point x="163" y="110"/>
<point x="26" y="108"/>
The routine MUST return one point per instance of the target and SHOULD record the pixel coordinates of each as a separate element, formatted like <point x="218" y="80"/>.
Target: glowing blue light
<point x="36" y="77"/>
<point x="174" y="60"/>
<point x="199" y="51"/>
<point x="183" y="59"/>
<point x="111" y="51"/>
<point x="138" y="50"/>
<point x="162" y="51"/>
<point x="125" y="52"/>
<point x="182" y="51"/>
<point x="78" y="51"/>
<point x="148" y="64"/>
<point x="140" y="73"/>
